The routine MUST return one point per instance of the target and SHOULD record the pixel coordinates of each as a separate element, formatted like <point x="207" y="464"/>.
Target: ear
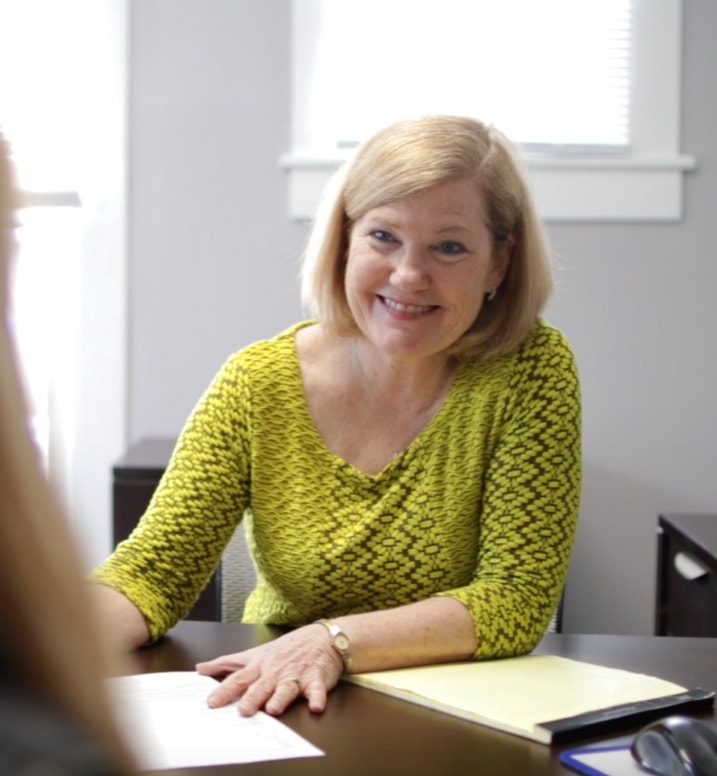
<point x="501" y="260"/>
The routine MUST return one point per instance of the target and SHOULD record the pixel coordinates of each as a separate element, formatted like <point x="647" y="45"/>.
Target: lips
<point x="392" y="304"/>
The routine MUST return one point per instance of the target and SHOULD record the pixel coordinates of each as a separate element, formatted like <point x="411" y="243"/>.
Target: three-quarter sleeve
<point x="530" y="503"/>
<point x="170" y="556"/>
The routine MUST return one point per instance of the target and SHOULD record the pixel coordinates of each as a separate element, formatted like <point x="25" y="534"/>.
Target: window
<point x="38" y="64"/>
<point x="589" y="89"/>
<point x="62" y="95"/>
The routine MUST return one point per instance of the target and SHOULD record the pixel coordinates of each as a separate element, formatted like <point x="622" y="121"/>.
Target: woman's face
<point x="419" y="268"/>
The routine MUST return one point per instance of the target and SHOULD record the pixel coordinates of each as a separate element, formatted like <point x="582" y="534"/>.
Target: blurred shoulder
<point x="544" y="355"/>
<point x="277" y="350"/>
<point x="35" y="738"/>
<point x="545" y="339"/>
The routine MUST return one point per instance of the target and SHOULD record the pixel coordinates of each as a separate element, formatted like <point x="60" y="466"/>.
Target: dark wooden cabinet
<point x="686" y="602"/>
<point x="134" y="479"/>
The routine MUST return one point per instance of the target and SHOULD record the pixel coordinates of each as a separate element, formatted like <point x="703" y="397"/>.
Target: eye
<point x="450" y="250"/>
<point x="382" y="235"/>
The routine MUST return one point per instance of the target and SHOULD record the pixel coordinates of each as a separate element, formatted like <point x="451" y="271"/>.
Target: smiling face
<point x="418" y="269"/>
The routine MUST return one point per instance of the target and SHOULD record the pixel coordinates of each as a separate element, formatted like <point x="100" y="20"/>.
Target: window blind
<point x="555" y="75"/>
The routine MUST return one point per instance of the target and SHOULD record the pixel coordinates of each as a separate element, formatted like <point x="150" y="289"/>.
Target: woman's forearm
<point x="436" y="630"/>
<point x="123" y="619"/>
<point x="304" y="663"/>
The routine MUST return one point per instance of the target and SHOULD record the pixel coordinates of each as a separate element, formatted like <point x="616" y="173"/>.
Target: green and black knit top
<point x="481" y="507"/>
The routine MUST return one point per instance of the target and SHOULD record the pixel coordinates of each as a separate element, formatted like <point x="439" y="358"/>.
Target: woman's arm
<point x="530" y="501"/>
<point x="177" y="544"/>
<point x="437" y="630"/>
<point x="304" y="662"/>
<point x="125" y="621"/>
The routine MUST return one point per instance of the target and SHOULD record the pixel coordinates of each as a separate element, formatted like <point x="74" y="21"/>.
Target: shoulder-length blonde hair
<point x="411" y="156"/>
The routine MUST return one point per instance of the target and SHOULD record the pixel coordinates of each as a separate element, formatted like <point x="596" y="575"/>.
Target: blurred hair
<point x="413" y="155"/>
<point x="50" y="635"/>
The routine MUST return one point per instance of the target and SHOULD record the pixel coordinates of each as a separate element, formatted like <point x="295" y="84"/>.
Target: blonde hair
<point x="413" y="155"/>
<point x="49" y="633"/>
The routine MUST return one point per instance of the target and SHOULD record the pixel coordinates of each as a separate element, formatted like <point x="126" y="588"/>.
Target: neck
<point x="419" y="382"/>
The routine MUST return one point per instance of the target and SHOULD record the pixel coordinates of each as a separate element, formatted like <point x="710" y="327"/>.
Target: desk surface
<point x="366" y="733"/>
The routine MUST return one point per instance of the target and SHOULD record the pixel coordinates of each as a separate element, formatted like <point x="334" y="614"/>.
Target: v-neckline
<point x="337" y="459"/>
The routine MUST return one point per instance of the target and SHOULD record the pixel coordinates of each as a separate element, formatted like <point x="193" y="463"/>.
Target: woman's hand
<point x="304" y="662"/>
<point x="272" y="676"/>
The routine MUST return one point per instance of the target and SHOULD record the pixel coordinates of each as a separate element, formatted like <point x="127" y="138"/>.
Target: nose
<point x="410" y="267"/>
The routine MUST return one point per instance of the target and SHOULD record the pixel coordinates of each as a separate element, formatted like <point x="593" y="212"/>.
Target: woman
<point x="408" y="463"/>
<point x="54" y="715"/>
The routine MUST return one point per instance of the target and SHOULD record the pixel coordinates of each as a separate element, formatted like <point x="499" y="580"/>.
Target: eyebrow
<point x="394" y="224"/>
<point x="453" y="228"/>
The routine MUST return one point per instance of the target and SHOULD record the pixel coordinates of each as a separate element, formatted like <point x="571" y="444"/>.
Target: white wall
<point x="214" y="259"/>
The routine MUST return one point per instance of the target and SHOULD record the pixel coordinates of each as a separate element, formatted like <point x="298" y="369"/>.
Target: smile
<point x="406" y="308"/>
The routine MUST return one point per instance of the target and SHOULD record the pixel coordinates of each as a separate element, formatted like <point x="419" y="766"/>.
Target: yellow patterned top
<point x="481" y="507"/>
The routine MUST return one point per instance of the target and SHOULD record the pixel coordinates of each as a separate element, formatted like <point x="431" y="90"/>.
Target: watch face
<point x="341" y="641"/>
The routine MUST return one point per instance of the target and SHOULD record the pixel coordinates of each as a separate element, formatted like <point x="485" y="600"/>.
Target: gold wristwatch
<point x="339" y="641"/>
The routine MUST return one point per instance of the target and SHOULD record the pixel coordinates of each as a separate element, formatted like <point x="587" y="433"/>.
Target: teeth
<point x="406" y="308"/>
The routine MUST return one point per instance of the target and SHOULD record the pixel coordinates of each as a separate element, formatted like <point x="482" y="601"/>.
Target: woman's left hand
<point x="272" y="676"/>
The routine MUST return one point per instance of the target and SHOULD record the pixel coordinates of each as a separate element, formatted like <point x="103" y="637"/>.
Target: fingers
<point x="226" y="664"/>
<point x="237" y="677"/>
<point x="275" y="701"/>
<point x="232" y="687"/>
<point x="273" y="698"/>
<point x="317" y="695"/>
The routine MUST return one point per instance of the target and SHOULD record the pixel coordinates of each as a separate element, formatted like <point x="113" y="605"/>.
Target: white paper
<point x="167" y="724"/>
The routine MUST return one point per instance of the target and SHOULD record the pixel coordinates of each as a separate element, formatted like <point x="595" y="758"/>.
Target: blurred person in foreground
<point x="406" y="462"/>
<point x="55" y="716"/>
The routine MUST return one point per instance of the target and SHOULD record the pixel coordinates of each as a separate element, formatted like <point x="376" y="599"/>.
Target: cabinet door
<point x="687" y="589"/>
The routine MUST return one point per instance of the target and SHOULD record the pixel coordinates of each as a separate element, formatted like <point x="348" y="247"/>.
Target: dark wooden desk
<point x="365" y="733"/>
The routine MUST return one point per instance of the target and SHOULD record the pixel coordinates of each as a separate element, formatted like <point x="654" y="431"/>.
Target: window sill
<point x="50" y="199"/>
<point x="603" y="189"/>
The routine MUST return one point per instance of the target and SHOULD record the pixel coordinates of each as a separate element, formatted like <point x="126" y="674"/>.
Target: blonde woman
<point x="54" y="714"/>
<point x="407" y="461"/>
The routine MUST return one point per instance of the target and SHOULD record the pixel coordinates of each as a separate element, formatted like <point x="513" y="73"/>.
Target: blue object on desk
<point x="602" y="761"/>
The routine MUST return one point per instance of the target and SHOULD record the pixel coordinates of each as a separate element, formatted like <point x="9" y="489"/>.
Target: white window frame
<point x="644" y="185"/>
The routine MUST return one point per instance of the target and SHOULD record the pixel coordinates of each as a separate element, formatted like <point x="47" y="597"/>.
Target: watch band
<point x="339" y="641"/>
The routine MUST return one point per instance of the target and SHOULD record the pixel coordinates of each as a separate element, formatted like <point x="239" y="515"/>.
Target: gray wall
<point x="638" y="303"/>
<point x="214" y="262"/>
<point x="213" y="257"/>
